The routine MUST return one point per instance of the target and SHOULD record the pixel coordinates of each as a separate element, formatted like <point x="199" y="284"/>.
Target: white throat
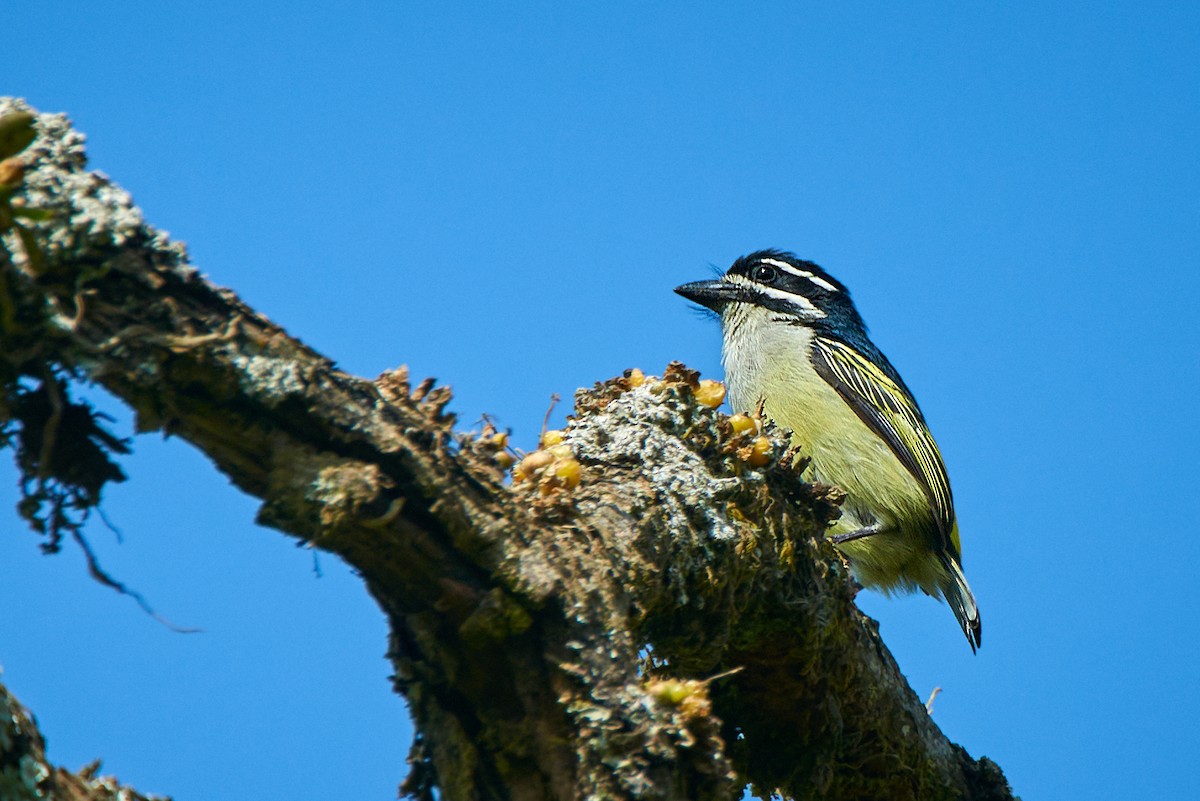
<point x="758" y="345"/>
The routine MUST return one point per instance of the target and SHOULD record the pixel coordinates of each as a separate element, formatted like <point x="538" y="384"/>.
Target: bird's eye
<point x="764" y="273"/>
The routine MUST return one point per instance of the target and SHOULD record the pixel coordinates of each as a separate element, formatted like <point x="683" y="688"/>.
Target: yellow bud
<point x="498" y="440"/>
<point x="671" y="692"/>
<point x="636" y="377"/>
<point x="568" y="472"/>
<point x="551" y="437"/>
<point x="759" y="452"/>
<point x="710" y="393"/>
<point x="741" y="423"/>
<point x="505" y="460"/>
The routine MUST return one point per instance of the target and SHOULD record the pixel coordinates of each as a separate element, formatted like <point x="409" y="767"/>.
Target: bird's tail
<point x="962" y="601"/>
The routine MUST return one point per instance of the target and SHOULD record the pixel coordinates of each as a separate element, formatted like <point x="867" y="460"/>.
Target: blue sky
<point x="504" y="195"/>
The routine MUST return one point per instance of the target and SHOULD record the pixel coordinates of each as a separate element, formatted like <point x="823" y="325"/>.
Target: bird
<point x="796" y="351"/>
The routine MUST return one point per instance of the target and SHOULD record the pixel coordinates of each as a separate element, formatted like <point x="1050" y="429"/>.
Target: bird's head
<point x="797" y="291"/>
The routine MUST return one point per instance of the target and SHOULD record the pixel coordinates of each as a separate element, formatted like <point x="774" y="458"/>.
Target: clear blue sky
<point x="504" y="196"/>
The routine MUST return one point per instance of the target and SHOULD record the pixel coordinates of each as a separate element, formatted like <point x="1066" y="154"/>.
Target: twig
<point x="101" y="576"/>
<point x="554" y="399"/>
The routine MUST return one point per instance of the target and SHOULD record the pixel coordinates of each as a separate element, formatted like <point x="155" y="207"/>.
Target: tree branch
<point x="554" y="637"/>
<point x="25" y="775"/>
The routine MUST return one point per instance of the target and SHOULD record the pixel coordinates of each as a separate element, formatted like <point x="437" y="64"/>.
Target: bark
<point x="641" y="613"/>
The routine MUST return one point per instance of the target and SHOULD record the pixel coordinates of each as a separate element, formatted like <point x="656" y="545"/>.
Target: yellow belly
<point x="847" y="454"/>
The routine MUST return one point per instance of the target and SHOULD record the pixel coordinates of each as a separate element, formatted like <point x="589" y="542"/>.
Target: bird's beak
<point x="714" y="295"/>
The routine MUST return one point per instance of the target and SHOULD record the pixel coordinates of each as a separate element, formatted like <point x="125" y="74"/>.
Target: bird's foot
<point x="859" y="534"/>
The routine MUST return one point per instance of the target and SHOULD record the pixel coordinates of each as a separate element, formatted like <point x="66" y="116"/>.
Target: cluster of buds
<point x="689" y="696"/>
<point x="552" y="466"/>
<point x="708" y="393"/>
<point x="750" y="445"/>
<point x="746" y="439"/>
<point x="494" y="442"/>
<point x="499" y="442"/>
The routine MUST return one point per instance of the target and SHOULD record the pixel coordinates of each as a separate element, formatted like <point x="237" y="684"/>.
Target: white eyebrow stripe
<point x="790" y="297"/>
<point x="787" y="268"/>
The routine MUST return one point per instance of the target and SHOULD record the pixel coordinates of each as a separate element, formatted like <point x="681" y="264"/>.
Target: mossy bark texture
<point x="642" y="614"/>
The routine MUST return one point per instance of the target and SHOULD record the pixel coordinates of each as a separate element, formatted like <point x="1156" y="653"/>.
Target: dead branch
<point x="555" y="638"/>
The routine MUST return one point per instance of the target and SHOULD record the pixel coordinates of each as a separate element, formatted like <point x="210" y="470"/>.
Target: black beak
<point x="710" y="294"/>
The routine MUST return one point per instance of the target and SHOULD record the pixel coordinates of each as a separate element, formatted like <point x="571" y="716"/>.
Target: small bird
<point x="796" y="350"/>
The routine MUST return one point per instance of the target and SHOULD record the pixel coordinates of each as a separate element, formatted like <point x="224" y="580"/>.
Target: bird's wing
<point x="890" y="411"/>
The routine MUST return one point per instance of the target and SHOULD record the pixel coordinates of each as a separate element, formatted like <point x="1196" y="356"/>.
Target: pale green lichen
<point x="33" y="771"/>
<point x="274" y="379"/>
<point x="22" y="772"/>
<point x="91" y="217"/>
<point x="661" y="416"/>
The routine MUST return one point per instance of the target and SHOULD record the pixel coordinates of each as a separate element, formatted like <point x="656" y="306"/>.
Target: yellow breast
<point x="774" y="372"/>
